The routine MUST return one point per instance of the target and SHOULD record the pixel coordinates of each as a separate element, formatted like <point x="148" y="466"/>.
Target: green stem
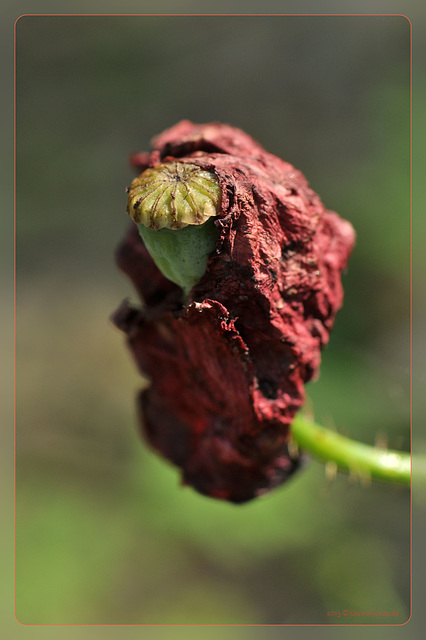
<point x="360" y="459"/>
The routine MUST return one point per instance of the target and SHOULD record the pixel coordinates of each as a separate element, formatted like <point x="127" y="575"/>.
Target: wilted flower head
<point x="227" y="366"/>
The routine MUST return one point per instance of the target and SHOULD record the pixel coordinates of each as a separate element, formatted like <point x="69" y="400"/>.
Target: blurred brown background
<point x="104" y="532"/>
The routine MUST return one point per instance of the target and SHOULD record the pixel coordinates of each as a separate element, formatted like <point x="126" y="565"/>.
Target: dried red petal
<point x="228" y="369"/>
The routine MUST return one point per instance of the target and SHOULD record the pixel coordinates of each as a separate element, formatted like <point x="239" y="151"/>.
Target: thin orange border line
<point x="213" y="15"/>
<point x="14" y="314"/>
<point x="206" y="15"/>
<point x="411" y="318"/>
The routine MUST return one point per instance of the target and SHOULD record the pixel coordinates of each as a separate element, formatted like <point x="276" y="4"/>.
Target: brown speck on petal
<point x="228" y="368"/>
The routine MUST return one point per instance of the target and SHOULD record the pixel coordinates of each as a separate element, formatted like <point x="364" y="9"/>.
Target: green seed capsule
<point x="173" y="195"/>
<point x="173" y="205"/>
<point x="181" y="255"/>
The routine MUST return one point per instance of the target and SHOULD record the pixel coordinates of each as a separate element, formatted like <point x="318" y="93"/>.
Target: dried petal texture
<point x="228" y="369"/>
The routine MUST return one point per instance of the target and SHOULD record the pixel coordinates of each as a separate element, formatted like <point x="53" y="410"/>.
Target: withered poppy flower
<point x="228" y="364"/>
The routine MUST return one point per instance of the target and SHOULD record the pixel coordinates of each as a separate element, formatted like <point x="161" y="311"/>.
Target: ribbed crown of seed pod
<point x="173" y="195"/>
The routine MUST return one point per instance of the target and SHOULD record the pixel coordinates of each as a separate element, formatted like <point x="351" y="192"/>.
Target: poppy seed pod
<point x="172" y="197"/>
<point x="228" y="362"/>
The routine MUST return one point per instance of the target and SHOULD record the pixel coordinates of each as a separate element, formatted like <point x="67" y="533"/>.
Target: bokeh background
<point x="105" y="533"/>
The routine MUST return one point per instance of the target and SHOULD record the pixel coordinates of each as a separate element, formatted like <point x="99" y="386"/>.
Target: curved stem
<point x="361" y="459"/>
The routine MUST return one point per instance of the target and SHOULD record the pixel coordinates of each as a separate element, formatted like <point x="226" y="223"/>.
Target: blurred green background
<point x="105" y="534"/>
